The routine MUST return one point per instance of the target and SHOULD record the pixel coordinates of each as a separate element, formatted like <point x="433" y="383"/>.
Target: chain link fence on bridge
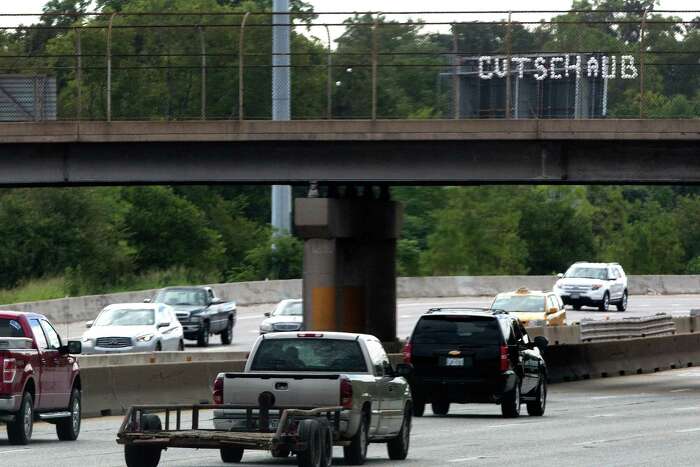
<point x="406" y="65"/>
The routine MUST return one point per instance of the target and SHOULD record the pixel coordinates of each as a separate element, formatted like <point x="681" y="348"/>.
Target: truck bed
<point x="290" y="390"/>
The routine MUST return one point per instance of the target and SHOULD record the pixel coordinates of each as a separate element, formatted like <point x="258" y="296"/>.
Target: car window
<point x="581" y="272"/>
<point x="312" y="354"/>
<point x="378" y="356"/>
<point x="38" y="334"/>
<point x="553" y="302"/>
<point x="52" y="336"/>
<point x="162" y="316"/>
<point x="290" y="309"/>
<point x="514" y="303"/>
<point x="467" y="330"/>
<point x="523" y="332"/>
<point x="10" y="328"/>
<point x="620" y="272"/>
<point x="516" y="335"/>
<point x="125" y="317"/>
<point x="195" y="297"/>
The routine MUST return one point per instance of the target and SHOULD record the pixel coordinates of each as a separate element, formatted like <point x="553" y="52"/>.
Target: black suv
<point x="476" y="355"/>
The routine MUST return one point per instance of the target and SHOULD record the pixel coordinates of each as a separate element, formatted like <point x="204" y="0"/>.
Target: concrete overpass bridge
<point x="350" y="241"/>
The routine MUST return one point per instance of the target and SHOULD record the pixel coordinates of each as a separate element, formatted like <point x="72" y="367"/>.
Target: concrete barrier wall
<point x="250" y="293"/>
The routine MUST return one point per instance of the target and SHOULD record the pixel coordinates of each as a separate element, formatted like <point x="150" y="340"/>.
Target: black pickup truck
<point x="200" y="312"/>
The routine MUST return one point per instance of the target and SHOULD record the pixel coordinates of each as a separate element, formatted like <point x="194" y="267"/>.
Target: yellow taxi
<point x="532" y="307"/>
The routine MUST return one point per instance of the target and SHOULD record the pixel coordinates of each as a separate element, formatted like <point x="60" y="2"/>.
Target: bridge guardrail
<point x="662" y="324"/>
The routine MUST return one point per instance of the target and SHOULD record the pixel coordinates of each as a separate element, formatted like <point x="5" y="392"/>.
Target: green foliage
<point x="278" y="258"/>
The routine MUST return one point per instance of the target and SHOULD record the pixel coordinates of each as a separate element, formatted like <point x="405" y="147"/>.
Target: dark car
<point x="476" y="356"/>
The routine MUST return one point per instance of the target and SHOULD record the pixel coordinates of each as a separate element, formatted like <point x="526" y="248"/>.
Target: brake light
<point x="407" y="350"/>
<point x="9" y="368"/>
<point x="505" y="361"/>
<point x="218" y="392"/>
<point x="310" y="334"/>
<point x="345" y="393"/>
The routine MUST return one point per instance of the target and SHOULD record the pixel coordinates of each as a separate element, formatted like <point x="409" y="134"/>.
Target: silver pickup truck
<point x="308" y="370"/>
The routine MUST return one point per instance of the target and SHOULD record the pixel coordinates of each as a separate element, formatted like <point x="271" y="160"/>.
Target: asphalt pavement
<point x="640" y="420"/>
<point x="409" y="310"/>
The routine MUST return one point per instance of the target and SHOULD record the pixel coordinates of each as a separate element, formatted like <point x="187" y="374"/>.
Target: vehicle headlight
<point x="538" y="322"/>
<point x="195" y="319"/>
<point x="144" y="338"/>
<point x="596" y="286"/>
<point x="266" y="327"/>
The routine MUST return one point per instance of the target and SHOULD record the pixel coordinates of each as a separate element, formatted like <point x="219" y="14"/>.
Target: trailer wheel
<point x="231" y="455"/>
<point x="142" y="456"/>
<point x="310" y="433"/>
<point x="327" y="443"/>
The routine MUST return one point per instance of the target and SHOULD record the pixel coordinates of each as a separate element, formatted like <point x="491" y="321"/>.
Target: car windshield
<point x="529" y="303"/>
<point x="194" y="297"/>
<point x="313" y="354"/>
<point x="10" y="328"/>
<point x="290" y="309"/>
<point x="125" y="317"/>
<point x="587" y="273"/>
<point x="456" y="330"/>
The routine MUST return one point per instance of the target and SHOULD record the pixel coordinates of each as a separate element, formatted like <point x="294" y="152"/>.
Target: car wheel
<point x="144" y="456"/>
<point x="19" y="431"/>
<point x="418" y="405"/>
<point x="622" y="306"/>
<point x="605" y="304"/>
<point x="159" y="347"/>
<point x="576" y="307"/>
<point x="536" y="408"/>
<point x="356" y="453"/>
<point x="227" y="334"/>
<point x="440" y="406"/>
<point x="181" y="346"/>
<point x="231" y="455"/>
<point x="310" y="432"/>
<point x="68" y="429"/>
<point x="327" y="443"/>
<point x="398" y="447"/>
<point x="203" y="336"/>
<point x="510" y="405"/>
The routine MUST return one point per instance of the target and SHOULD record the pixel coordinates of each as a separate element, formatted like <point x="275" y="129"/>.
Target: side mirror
<point x="541" y="343"/>
<point x="217" y="301"/>
<point x="404" y="369"/>
<point x="560" y="276"/>
<point x="147" y="300"/>
<point x="89" y="324"/>
<point x="164" y="324"/>
<point x="268" y="314"/>
<point x="73" y="347"/>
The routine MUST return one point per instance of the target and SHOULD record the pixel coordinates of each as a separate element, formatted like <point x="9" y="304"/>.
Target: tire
<point x="576" y="307"/>
<point x="622" y="305"/>
<point x="151" y="422"/>
<point x="142" y="456"/>
<point x="159" y="347"/>
<point x="181" y="346"/>
<point x="68" y="429"/>
<point x="280" y="453"/>
<point x="605" y="304"/>
<point x="227" y="334"/>
<point x="203" y="336"/>
<point x="536" y="408"/>
<point x="231" y="455"/>
<point x="310" y="432"/>
<point x="327" y="443"/>
<point x="356" y="453"/>
<point x="19" y="431"/>
<point x="510" y="405"/>
<point x="418" y="407"/>
<point x="398" y="447"/>
<point x="440" y="406"/>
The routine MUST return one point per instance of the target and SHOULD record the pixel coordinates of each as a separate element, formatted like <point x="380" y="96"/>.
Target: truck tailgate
<point x="291" y="390"/>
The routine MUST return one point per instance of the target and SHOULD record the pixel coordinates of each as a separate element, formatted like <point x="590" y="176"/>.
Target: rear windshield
<point x="587" y="273"/>
<point x="466" y="330"/>
<point x="10" y="328"/>
<point x="321" y="355"/>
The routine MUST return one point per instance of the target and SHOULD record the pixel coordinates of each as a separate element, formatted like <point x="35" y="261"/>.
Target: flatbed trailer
<point x="308" y="433"/>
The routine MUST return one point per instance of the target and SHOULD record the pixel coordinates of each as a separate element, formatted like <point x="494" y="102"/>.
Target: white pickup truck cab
<point x="308" y="370"/>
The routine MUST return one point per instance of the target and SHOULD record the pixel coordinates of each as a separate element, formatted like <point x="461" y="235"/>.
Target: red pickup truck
<point x="40" y="379"/>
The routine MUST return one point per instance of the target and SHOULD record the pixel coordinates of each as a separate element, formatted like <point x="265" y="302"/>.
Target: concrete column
<point x="349" y="264"/>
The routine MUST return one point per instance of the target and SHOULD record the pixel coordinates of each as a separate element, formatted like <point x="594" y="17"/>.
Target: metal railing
<point x="661" y="324"/>
<point x="213" y="65"/>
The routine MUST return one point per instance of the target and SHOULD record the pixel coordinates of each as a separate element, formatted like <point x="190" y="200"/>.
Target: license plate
<point x="575" y="296"/>
<point x="274" y="424"/>
<point x="452" y="361"/>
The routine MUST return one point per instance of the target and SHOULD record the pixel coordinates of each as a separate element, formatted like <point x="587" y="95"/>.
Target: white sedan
<point x="133" y="327"/>
<point x="287" y="316"/>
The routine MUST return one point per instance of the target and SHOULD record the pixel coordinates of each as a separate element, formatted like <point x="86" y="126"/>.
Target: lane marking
<point x="467" y="459"/>
<point x="240" y="318"/>
<point x="603" y="415"/>
<point x="682" y="409"/>
<point x="14" y="450"/>
<point x="689" y="430"/>
<point x="680" y="390"/>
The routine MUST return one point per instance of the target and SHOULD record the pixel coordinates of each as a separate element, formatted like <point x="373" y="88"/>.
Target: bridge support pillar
<point x="349" y="264"/>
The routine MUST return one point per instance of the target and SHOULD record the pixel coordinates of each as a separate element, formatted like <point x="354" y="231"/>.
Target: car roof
<point x="348" y="336"/>
<point x="17" y="314"/>
<point x="135" y="306"/>
<point x="594" y="265"/>
<point x="524" y="292"/>
<point x="481" y="312"/>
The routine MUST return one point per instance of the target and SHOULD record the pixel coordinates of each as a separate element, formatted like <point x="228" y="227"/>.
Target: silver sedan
<point x="133" y="327"/>
<point x="287" y="316"/>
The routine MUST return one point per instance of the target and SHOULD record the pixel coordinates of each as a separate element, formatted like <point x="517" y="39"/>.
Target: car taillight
<point x="407" y="349"/>
<point x="345" y="393"/>
<point x="310" y="334"/>
<point x="218" y="392"/>
<point x="9" y="368"/>
<point x="505" y="360"/>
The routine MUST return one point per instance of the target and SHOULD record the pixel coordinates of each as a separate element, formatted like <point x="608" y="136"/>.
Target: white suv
<point x="593" y="284"/>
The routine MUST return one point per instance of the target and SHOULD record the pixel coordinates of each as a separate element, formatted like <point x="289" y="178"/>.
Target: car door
<point x="45" y="376"/>
<point x="63" y="364"/>
<point x="381" y="425"/>
<point x="615" y="284"/>
<point x="519" y="343"/>
<point x="531" y="362"/>
<point x="556" y="318"/>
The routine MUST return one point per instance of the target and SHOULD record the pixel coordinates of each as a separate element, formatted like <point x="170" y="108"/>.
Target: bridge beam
<point x="349" y="264"/>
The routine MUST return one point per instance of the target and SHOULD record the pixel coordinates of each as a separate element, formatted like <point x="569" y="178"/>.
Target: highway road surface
<point x="641" y="420"/>
<point x="250" y="317"/>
